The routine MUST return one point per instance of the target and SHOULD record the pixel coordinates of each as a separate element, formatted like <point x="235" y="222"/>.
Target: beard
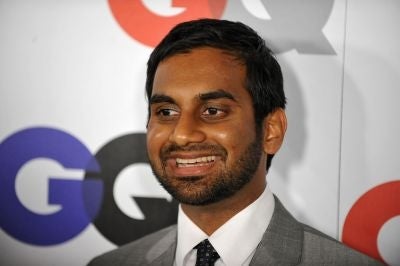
<point x="214" y="187"/>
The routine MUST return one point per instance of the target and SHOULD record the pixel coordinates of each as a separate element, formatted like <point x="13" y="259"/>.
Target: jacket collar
<point x="160" y="253"/>
<point x="282" y="241"/>
<point x="281" y="244"/>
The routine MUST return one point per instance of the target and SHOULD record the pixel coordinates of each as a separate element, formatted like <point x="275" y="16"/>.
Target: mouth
<point x="195" y="162"/>
<point x="185" y="166"/>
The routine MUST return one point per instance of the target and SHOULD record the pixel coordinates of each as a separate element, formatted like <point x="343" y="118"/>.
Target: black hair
<point x="264" y="79"/>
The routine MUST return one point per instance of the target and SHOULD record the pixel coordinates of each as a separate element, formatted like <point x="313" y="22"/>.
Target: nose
<point x="187" y="130"/>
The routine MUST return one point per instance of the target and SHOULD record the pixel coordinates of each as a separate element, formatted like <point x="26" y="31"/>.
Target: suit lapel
<point x="281" y="244"/>
<point x="163" y="252"/>
<point x="282" y="241"/>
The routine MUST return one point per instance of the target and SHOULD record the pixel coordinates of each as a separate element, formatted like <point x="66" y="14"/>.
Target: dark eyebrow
<point x="160" y="98"/>
<point x="212" y="95"/>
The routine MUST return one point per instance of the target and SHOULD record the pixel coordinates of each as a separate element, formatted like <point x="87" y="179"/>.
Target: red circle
<point x="368" y="215"/>
<point x="149" y="28"/>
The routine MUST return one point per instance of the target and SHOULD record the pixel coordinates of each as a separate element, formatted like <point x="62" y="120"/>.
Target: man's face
<point x="201" y="140"/>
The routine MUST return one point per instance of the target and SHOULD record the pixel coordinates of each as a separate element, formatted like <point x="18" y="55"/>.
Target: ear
<point x="275" y="125"/>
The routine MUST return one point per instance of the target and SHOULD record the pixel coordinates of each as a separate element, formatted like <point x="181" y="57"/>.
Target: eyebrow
<point x="218" y="94"/>
<point x="212" y="95"/>
<point x="161" y="98"/>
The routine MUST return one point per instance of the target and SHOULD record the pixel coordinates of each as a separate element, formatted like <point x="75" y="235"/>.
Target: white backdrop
<point x="78" y="67"/>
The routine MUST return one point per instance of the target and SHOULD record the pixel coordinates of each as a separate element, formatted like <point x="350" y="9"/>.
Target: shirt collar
<point x="249" y="226"/>
<point x="189" y="235"/>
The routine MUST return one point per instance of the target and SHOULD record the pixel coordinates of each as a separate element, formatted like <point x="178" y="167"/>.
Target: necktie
<point x="206" y="254"/>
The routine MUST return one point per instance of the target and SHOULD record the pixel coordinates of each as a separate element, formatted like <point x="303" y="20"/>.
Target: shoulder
<point x="318" y="249"/>
<point x="289" y="242"/>
<point x="141" y="251"/>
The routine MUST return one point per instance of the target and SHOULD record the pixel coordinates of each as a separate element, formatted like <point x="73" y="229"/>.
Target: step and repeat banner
<point x="74" y="177"/>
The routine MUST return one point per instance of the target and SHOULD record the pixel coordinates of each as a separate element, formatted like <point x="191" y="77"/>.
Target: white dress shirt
<point x="235" y="241"/>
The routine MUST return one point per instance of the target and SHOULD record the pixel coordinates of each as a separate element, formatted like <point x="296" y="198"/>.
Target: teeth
<point x="203" y="159"/>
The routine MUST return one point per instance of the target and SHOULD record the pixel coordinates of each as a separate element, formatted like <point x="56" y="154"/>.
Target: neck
<point x="212" y="216"/>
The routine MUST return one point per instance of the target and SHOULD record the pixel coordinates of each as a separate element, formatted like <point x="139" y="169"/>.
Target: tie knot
<point x="206" y="254"/>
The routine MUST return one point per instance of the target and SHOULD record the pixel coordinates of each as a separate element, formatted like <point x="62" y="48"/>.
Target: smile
<point x="194" y="162"/>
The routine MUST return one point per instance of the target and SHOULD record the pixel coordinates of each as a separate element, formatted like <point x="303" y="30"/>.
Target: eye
<point x="166" y="112"/>
<point x="214" y="113"/>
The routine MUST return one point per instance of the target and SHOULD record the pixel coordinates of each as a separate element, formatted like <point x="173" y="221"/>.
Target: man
<point x="216" y="118"/>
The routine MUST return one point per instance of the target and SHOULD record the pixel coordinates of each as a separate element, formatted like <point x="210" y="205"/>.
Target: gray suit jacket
<point x="285" y="242"/>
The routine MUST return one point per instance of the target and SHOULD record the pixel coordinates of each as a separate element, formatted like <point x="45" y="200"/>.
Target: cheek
<point x="223" y="136"/>
<point x="231" y="138"/>
<point x="235" y="138"/>
<point x="155" y="140"/>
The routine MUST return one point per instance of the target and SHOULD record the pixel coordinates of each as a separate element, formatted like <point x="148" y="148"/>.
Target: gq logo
<point x="92" y="200"/>
<point x="293" y="24"/>
<point x="82" y="201"/>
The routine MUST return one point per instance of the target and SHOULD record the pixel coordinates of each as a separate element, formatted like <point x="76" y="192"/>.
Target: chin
<point x="193" y="195"/>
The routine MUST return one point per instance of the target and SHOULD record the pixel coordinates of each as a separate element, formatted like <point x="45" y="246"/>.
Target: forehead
<point x="200" y="70"/>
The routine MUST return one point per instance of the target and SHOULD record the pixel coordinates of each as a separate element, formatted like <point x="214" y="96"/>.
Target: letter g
<point x="80" y="199"/>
